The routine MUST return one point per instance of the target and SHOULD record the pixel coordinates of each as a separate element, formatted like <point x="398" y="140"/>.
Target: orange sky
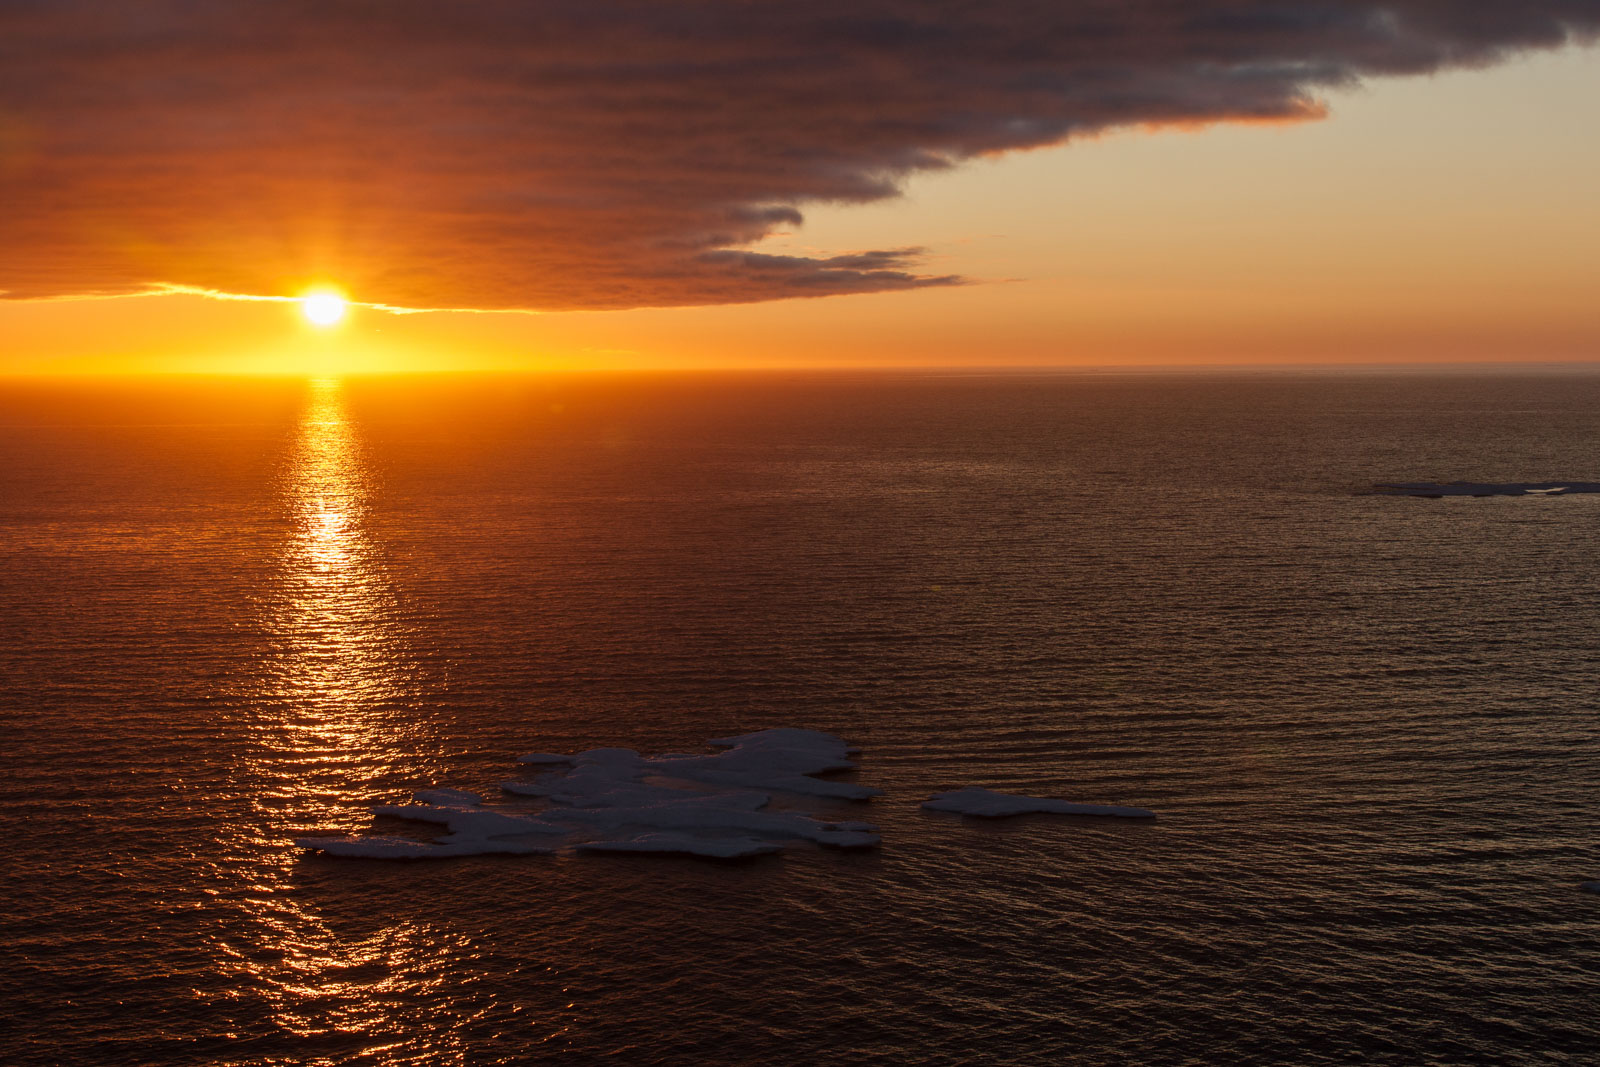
<point x="1450" y="217"/>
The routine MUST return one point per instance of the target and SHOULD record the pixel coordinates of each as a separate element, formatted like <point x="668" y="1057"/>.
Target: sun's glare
<point x="323" y="308"/>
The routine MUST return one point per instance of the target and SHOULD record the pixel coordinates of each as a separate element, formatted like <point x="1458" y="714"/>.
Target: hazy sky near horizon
<point x="1376" y="217"/>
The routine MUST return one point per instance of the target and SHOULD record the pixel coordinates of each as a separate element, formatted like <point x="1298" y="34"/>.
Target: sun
<point x="323" y="308"/>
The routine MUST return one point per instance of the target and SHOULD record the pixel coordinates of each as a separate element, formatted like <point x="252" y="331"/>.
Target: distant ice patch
<point x="988" y="804"/>
<point x="615" y="800"/>
<point x="1443" y="489"/>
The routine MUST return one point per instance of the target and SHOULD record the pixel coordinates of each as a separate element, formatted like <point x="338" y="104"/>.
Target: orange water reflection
<point x="334" y="729"/>
<point x="344" y="660"/>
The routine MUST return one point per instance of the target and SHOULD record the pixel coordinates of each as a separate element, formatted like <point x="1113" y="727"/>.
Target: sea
<point x="239" y="612"/>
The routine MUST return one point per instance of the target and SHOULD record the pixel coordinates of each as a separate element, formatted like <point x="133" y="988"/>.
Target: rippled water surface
<point x="234" y="613"/>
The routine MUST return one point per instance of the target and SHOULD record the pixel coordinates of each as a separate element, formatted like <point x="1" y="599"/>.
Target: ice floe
<point x="404" y="848"/>
<point x="1443" y="489"/>
<point x="447" y="797"/>
<point x="615" y="800"/>
<point x="719" y="805"/>
<point x="723" y="848"/>
<point x="986" y="803"/>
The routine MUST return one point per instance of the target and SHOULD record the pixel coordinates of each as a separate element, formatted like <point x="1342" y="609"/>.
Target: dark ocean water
<point x="234" y="613"/>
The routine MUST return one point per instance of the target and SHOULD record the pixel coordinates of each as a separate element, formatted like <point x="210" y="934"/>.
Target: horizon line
<point x="1497" y="367"/>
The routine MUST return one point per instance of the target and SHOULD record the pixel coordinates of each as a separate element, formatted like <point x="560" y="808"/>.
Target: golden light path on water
<point x="331" y="732"/>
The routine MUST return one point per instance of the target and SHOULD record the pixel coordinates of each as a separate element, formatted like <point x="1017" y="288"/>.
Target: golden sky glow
<point x="1431" y="219"/>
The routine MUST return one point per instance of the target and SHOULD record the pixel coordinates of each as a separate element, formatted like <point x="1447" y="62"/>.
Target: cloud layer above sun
<point x="607" y="153"/>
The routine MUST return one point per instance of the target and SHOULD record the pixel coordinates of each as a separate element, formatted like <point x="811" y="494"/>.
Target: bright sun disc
<point x="322" y="309"/>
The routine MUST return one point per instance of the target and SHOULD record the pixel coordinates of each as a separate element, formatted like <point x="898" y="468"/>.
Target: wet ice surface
<point x="1442" y="489"/>
<point x="615" y="800"/>
<point x="986" y="803"/>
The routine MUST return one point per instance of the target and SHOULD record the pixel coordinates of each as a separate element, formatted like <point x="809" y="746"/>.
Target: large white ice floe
<point x="986" y="803"/>
<point x="1443" y="489"/>
<point x="615" y="800"/>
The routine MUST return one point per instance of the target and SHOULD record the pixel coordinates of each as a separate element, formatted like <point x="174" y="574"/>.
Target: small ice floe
<point x="403" y="848"/>
<point x="722" y="848"/>
<point x="782" y="759"/>
<point x="711" y="815"/>
<point x="447" y="797"/>
<point x="1435" y="490"/>
<point x="988" y="804"/>
<point x="615" y="800"/>
<point x="472" y="831"/>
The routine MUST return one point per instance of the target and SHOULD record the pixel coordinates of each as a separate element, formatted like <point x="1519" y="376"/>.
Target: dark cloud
<point x="605" y="153"/>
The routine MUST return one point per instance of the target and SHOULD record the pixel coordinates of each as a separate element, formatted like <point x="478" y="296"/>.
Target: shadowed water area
<point x="232" y="614"/>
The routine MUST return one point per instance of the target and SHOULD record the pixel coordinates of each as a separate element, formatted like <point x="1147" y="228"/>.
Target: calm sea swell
<point x="234" y="614"/>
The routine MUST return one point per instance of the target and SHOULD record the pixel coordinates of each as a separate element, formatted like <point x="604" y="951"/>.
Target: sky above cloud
<point x="608" y="154"/>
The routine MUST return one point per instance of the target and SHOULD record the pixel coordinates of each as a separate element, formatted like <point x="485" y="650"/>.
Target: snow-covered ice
<point x="781" y="760"/>
<point x="403" y="848"/>
<point x="717" y="805"/>
<point x="724" y="848"/>
<point x="615" y="800"/>
<point x="470" y="823"/>
<point x="711" y="816"/>
<point x="447" y="797"/>
<point x="975" y="800"/>
<point x="1443" y="489"/>
<point x="473" y="830"/>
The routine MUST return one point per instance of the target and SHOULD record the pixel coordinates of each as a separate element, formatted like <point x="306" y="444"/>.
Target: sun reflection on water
<point x="344" y="658"/>
<point x="334" y="728"/>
